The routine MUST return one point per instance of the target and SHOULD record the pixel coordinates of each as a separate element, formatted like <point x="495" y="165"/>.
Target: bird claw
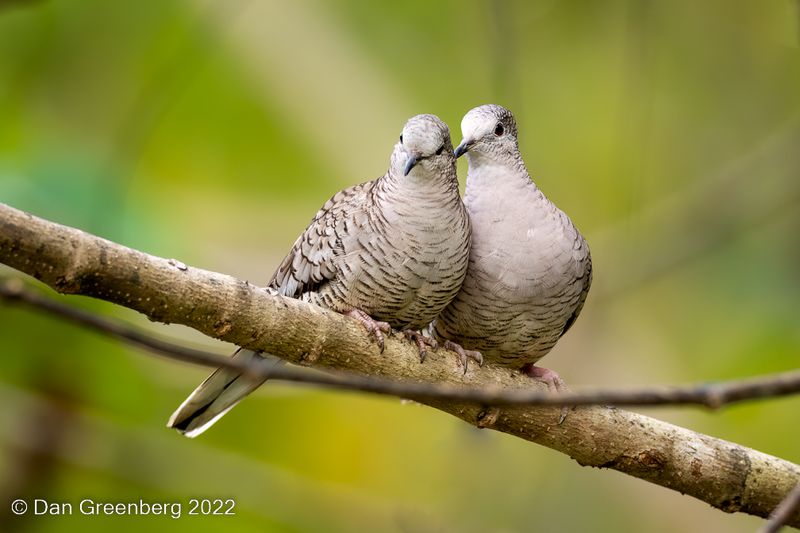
<point x="464" y="355"/>
<point x="551" y="379"/>
<point x="422" y="341"/>
<point x="375" y="328"/>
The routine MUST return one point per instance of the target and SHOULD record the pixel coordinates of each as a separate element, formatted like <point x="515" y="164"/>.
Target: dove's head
<point x="424" y="147"/>
<point x="488" y="130"/>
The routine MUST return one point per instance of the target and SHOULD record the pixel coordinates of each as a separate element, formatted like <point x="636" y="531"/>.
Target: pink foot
<point x="464" y="355"/>
<point x="550" y="378"/>
<point x="422" y="342"/>
<point x="374" y="327"/>
<point x="544" y="375"/>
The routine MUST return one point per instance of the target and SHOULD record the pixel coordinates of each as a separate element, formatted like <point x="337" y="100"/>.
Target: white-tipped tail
<point x="215" y="396"/>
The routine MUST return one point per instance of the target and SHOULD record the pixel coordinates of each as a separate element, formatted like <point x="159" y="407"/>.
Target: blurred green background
<point x="211" y="131"/>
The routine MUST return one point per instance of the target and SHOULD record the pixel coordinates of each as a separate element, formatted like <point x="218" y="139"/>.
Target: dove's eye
<point x="498" y="130"/>
<point x="401" y="138"/>
<point x="440" y="150"/>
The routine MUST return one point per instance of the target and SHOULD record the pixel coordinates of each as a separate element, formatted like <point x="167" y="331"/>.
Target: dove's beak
<point x="462" y="148"/>
<point x="410" y="163"/>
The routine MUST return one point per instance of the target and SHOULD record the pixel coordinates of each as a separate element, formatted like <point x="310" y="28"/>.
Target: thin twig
<point x="783" y="512"/>
<point x="707" y="394"/>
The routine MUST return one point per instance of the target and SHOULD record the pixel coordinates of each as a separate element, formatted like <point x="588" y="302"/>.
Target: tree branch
<point x="723" y="474"/>
<point x="783" y="513"/>
<point x="712" y="395"/>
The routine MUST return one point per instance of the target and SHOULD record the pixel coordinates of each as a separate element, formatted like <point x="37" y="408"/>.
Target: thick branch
<point x="726" y="475"/>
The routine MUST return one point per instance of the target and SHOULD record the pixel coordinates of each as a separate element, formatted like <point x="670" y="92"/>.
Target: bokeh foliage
<point x="211" y="131"/>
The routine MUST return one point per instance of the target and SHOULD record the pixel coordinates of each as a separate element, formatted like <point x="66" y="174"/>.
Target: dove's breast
<point x="426" y="253"/>
<point x="408" y="263"/>
<point x="528" y="274"/>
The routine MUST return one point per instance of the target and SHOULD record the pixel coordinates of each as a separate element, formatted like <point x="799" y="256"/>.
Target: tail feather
<point x="215" y="396"/>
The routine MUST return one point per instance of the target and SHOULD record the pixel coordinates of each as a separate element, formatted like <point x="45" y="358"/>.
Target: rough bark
<point x="726" y="475"/>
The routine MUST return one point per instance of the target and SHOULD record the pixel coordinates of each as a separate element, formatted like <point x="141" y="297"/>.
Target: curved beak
<point x="463" y="148"/>
<point x="411" y="163"/>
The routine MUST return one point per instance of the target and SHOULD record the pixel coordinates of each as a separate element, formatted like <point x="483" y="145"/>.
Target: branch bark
<point x="783" y="512"/>
<point x="726" y="475"/>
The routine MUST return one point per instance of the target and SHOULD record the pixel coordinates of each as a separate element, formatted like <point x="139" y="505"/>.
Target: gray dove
<point x="529" y="267"/>
<point x="390" y="253"/>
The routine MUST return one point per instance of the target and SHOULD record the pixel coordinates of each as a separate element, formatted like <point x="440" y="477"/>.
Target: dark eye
<point x="401" y="138"/>
<point x="498" y="130"/>
<point x="440" y="150"/>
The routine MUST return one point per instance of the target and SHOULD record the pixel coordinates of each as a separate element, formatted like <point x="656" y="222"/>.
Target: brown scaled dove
<point x="391" y="252"/>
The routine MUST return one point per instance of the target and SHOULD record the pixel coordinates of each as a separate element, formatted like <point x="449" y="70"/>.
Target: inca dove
<point x="388" y="252"/>
<point x="529" y="267"/>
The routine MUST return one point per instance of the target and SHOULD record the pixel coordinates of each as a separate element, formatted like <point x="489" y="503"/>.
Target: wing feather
<point x="312" y="260"/>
